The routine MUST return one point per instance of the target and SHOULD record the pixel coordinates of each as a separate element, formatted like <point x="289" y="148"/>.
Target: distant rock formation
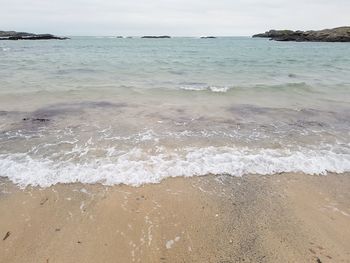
<point x="13" y="35"/>
<point x="156" y="37"/>
<point x="339" y="34"/>
<point x="208" y="37"/>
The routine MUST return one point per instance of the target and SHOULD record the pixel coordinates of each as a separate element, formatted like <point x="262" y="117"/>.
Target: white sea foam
<point x="138" y="167"/>
<point x="194" y="88"/>
<point x="206" y="88"/>
<point x="219" y="89"/>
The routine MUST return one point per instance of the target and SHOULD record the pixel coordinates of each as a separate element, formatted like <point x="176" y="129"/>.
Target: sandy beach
<point x="175" y="131"/>
<point x="280" y="218"/>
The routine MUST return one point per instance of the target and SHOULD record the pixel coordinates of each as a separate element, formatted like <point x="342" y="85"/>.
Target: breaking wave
<point x="205" y="88"/>
<point x="297" y="87"/>
<point x="138" y="166"/>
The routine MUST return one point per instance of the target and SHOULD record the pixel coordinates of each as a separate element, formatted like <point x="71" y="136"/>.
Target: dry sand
<point x="280" y="218"/>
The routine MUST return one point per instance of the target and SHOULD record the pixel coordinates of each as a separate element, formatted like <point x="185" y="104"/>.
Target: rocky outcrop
<point x="339" y="34"/>
<point x="13" y="35"/>
<point x="156" y="37"/>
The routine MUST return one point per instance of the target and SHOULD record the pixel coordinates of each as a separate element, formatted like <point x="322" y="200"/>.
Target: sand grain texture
<point x="281" y="218"/>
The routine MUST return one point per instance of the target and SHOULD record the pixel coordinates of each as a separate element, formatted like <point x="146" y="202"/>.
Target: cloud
<point x="174" y="17"/>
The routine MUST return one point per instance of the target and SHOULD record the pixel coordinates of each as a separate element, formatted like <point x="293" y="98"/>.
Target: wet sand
<point x="280" y="218"/>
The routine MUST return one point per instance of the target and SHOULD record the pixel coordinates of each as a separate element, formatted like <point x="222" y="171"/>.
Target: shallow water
<point x="138" y="110"/>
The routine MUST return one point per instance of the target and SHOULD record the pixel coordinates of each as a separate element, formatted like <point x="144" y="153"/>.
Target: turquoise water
<point x="171" y="63"/>
<point x="135" y="111"/>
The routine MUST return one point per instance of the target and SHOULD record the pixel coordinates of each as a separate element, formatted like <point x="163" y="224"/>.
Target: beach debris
<point x="57" y="229"/>
<point x="312" y="251"/>
<point x="318" y="260"/>
<point x="141" y="197"/>
<point x="170" y="243"/>
<point x="79" y="242"/>
<point x="7" y="235"/>
<point x="43" y="201"/>
<point x="82" y="207"/>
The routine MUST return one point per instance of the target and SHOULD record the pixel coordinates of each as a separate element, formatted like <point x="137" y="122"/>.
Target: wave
<point x="205" y="88"/>
<point x="138" y="166"/>
<point x="298" y="87"/>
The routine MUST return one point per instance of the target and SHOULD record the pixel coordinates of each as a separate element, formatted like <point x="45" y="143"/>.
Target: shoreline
<point x="275" y="218"/>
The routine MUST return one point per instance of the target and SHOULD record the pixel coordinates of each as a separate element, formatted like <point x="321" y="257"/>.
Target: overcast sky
<point x="173" y="17"/>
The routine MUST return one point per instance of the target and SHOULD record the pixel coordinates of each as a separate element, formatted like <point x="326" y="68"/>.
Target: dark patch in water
<point x="36" y="119"/>
<point x="180" y="110"/>
<point x="72" y="108"/>
<point x="103" y="104"/>
<point x="9" y="113"/>
<point x="304" y="123"/>
<point x="77" y="70"/>
<point x="298" y="118"/>
<point x="244" y="110"/>
<point x="177" y="72"/>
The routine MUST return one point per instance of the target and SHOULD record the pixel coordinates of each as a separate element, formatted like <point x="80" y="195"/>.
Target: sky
<point x="170" y="17"/>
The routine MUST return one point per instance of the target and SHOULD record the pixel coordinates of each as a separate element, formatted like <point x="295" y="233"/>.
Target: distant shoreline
<point x="13" y="35"/>
<point x="339" y="34"/>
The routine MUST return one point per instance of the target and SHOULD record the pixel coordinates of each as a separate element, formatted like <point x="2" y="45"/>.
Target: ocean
<point x="134" y="111"/>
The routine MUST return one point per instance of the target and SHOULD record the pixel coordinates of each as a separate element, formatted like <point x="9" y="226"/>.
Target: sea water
<point x="134" y="111"/>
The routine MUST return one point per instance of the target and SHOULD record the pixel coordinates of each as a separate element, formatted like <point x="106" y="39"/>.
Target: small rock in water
<point x="36" y="119"/>
<point x="40" y="119"/>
